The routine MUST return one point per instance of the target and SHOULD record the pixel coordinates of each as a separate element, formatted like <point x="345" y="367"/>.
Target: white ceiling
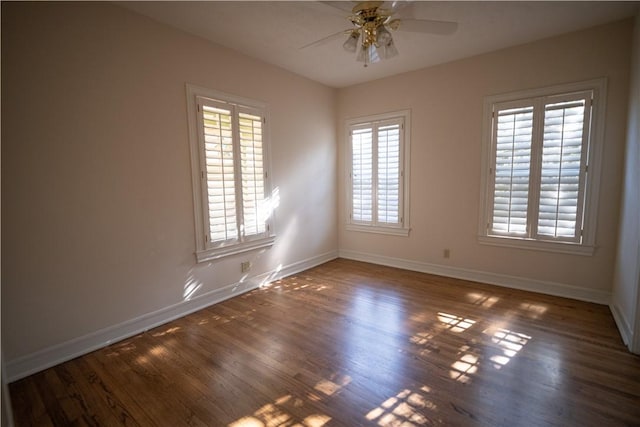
<point x="275" y="31"/>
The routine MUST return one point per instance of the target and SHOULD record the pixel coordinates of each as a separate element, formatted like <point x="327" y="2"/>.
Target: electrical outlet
<point x="446" y="253"/>
<point x="245" y="266"/>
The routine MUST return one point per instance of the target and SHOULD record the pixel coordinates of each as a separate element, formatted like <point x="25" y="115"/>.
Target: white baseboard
<point x="515" y="282"/>
<point x="54" y="355"/>
<point x="622" y="323"/>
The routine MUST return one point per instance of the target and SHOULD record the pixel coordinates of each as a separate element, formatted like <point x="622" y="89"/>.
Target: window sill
<point x="392" y="231"/>
<point x="538" y="245"/>
<point x="225" y="251"/>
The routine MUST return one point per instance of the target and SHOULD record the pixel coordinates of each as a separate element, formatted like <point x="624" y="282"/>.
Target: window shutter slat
<point x="561" y="168"/>
<point x="513" y="130"/>
<point x="252" y="174"/>
<point x="389" y="174"/>
<point x="218" y="130"/>
<point x="362" y="174"/>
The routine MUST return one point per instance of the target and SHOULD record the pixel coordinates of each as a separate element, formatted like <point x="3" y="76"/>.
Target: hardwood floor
<point x="350" y="344"/>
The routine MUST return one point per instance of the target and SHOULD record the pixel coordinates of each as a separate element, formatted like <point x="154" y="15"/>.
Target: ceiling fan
<point x="370" y="38"/>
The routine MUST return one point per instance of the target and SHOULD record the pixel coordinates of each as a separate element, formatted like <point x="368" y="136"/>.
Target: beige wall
<point x="627" y="266"/>
<point x="97" y="215"/>
<point x="446" y="107"/>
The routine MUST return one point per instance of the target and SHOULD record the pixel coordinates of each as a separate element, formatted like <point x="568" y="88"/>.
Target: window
<point x="378" y="165"/>
<point x="230" y="175"/>
<point x="541" y="154"/>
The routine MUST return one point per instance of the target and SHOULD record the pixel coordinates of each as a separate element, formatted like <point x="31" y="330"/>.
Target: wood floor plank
<point x="28" y="408"/>
<point x="104" y="404"/>
<point x="354" y="344"/>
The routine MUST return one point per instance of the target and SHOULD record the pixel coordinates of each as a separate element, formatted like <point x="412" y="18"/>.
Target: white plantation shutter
<point x="513" y="135"/>
<point x="376" y="150"/>
<point x="388" y="196"/>
<point x="537" y="178"/>
<point x="220" y="175"/>
<point x="234" y="172"/>
<point x="234" y="205"/>
<point x="252" y="173"/>
<point x="362" y="174"/>
<point x="565" y="131"/>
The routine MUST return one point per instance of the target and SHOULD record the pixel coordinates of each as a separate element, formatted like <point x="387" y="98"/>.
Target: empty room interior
<point x="254" y="214"/>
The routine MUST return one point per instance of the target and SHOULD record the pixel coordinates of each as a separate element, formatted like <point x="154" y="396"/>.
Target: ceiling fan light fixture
<point x="388" y="51"/>
<point x="384" y="42"/>
<point x="351" y="44"/>
<point x="368" y="55"/>
<point x="383" y="36"/>
<point x="370" y="36"/>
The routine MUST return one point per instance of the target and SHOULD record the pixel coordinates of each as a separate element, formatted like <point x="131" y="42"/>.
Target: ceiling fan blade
<point x="344" y="6"/>
<point x="403" y="6"/>
<point x="427" y="26"/>
<point x="327" y="39"/>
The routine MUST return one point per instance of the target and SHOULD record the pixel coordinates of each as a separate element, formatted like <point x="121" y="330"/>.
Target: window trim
<point x="205" y="250"/>
<point x="591" y="186"/>
<point x="396" y="230"/>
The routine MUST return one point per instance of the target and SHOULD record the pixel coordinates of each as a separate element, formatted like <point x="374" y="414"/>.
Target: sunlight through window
<point x="158" y="351"/>
<point x="462" y="369"/>
<point x="510" y="343"/>
<point x="122" y="348"/>
<point x="454" y="323"/>
<point x="481" y="299"/>
<point x="168" y="331"/>
<point x="279" y="413"/>
<point x="191" y="286"/>
<point x="421" y="338"/>
<point x="247" y="422"/>
<point x="271" y="277"/>
<point x="327" y="387"/>
<point x="316" y="420"/>
<point x="142" y="360"/>
<point x="330" y="387"/>
<point x="269" y="205"/>
<point x="421" y="317"/>
<point x="533" y="310"/>
<point x="407" y="409"/>
<point x="272" y="415"/>
<point x="425" y="341"/>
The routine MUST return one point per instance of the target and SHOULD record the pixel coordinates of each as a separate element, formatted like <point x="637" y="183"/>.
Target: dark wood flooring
<point x="351" y="344"/>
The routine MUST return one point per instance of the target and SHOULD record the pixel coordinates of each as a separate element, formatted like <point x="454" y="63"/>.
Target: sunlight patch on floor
<point x="534" y="311"/>
<point x="421" y="317"/>
<point x="421" y="338"/>
<point x="332" y="385"/>
<point x="455" y="323"/>
<point x="267" y="282"/>
<point x="142" y="360"/>
<point x="285" y="410"/>
<point x="316" y="420"/>
<point x="481" y="299"/>
<point x="466" y="366"/>
<point x="168" y="331"/>
<point x="273" y="415"/>
<point x="511" y="343"/>
<point x="426" y="341"/>
<point x="247" y="422"/>
<point x="407" y="409"/>
<point x="158" y="351"/>
<point x="121" y="348"/>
